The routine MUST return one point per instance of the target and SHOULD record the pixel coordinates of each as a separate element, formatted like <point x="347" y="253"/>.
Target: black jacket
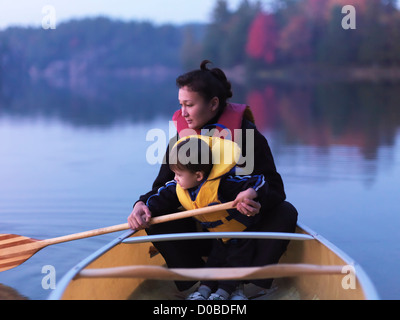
<point x="263" y="164"/>
<point x="166" y="199"/>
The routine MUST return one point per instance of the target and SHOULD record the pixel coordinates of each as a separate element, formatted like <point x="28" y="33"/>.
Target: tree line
<point x="87" y="48"/>
<point x="287" y="33"/>
<point x="299" y="32"/>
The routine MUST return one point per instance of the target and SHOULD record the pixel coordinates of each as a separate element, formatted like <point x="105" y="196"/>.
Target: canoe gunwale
<point x="219" y="235"/>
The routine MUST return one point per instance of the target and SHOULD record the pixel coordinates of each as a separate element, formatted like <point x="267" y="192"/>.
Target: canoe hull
<point x="353" y="284"/>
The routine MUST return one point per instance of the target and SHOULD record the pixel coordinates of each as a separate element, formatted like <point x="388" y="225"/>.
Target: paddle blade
<point x="15" y="249"/>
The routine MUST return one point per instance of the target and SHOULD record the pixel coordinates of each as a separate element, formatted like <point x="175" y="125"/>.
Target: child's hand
<point x="244" y="203"/>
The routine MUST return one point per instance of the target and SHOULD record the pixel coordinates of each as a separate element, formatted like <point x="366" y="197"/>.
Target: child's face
<point x="187" y="179"/>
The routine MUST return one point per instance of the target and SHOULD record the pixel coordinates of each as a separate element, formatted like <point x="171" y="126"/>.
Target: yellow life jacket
<point x="225" y="154"/>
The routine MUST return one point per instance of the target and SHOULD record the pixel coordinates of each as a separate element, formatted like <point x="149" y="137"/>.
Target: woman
<point x="203" y="96"/>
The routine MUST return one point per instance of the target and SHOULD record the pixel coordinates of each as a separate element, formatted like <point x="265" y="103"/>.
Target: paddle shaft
<point x="125" y="226"/>
<point x="15" y="249"/>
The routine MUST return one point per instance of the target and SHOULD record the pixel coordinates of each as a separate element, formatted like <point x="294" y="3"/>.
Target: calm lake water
<point x="76" y="161"/>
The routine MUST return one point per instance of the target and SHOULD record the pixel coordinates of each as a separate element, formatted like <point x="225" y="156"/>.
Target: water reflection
<point x="362" y="115"/>
<point x="99" y="101"/>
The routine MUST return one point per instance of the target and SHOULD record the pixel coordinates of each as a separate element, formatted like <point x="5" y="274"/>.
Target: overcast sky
<point x="29" y="12"/>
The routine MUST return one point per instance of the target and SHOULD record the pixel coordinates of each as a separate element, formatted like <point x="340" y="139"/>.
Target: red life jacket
<point x="231" y="119"/>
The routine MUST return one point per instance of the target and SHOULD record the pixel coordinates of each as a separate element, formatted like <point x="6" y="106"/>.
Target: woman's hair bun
<point x="203" y="65"/>
<point x="220" y="75"/>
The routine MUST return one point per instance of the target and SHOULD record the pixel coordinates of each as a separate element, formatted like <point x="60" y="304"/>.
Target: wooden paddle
<point x="15" y="249"/>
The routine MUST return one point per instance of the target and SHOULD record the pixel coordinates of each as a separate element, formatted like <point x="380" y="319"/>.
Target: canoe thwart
<point x="246" y="273"/>
<point x="218" y="235"/>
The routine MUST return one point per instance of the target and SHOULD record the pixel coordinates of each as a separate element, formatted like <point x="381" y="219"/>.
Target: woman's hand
<point x="245" y="204"/>
<point x="139" y="217"/>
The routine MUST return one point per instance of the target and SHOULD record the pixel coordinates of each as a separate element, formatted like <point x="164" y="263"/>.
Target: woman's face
<point x="196" y="111"/>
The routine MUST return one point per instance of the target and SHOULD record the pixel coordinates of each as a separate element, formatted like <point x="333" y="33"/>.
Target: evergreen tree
<point x="338" y="46"/>
<point x="226" y="37"/>
<point x="191" y="52"/>
<point x="216" y="32"/>
<point x="233" y="47"/>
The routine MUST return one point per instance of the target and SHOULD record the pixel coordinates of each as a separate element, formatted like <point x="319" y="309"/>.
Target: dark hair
<point x="208" y="83"/>
<point x="197" y="156"/>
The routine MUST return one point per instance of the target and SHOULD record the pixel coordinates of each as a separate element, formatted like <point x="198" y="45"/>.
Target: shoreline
<point x="313" y="74"/>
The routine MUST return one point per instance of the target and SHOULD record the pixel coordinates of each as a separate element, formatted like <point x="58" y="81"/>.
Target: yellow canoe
<point x="127" y="268"/>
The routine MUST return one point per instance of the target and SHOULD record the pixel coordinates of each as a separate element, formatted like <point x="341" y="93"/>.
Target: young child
<point x="204" y="175"/>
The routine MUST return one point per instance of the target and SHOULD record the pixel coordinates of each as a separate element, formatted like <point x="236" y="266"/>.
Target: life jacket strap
<point x="214" y="224"/>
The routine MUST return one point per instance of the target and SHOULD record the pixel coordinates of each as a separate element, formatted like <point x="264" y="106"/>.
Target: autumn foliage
<point x="311" y="31"/>
<point x="304" y="31"/>
<point x="263" y="38"/>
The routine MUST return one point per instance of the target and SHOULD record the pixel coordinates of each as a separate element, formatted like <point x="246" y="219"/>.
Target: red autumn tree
<point x="262" y="40"/>
<point x="295" y="39"/>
